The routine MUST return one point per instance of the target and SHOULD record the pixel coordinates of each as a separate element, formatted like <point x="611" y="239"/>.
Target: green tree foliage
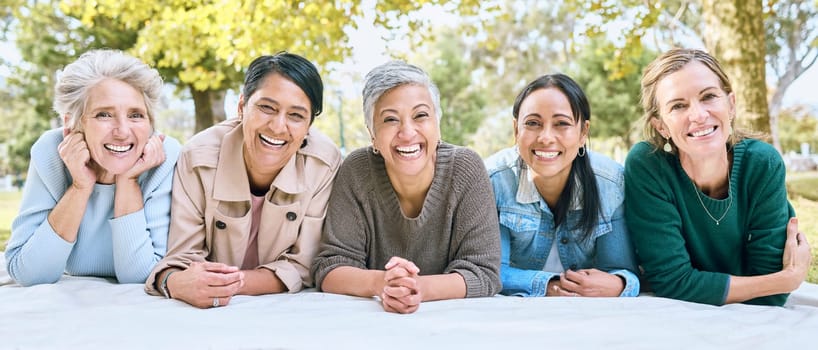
<point x="200" y="46"/>
<point x="734" y="34"/>
<point x="462" y="101"/>
<point x="519" y="42"/>
<point x="792" y="48"/>
<point x="798" y="124"/>
<point x="613" y="95"/>
<point x="47" y="41"/>
<point x="206" y="45"/>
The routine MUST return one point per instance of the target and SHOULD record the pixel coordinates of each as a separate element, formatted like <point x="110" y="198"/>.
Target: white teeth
<point x="409" y="149"/>
<point x="272" y="141"/>
<point x="546" y="154"/>
<point x="703" y="132"/>
<point x="119" y="149"/>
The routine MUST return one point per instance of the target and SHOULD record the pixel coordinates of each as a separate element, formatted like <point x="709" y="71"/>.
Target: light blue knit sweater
<point x="125" y="248"/>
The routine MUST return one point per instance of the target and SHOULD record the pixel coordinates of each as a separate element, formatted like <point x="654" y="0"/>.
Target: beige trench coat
<point x="211" y="208"/>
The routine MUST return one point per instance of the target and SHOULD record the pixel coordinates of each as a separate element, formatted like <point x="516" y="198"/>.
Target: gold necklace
<point x="729" y="204"/>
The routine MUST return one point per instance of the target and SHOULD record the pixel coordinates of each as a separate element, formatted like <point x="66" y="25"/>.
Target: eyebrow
<point x="302" y="108"/>
<point x="108" y="108"/>
<point x="681" y="99"/>
<point x="392" y="110"/>
<point x="419" y="105"/>
<point x="555" y="115"/>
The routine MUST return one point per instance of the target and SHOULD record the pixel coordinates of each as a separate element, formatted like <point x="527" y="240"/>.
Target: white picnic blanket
<point x="95" y="313"/>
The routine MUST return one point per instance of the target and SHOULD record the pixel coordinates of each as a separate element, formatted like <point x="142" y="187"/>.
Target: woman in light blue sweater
<point x="97" y="197"/>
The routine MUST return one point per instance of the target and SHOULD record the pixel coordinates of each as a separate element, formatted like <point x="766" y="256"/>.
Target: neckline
<point x="388" y="196"/>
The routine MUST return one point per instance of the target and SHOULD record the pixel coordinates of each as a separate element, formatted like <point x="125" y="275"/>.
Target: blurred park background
<point x="480" y="53"/>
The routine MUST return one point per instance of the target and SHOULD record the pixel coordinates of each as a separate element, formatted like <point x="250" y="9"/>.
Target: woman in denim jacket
<point x="560" y="206"/>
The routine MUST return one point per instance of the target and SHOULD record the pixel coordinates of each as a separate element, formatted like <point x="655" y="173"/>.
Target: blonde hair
<point x="92" y="67"/>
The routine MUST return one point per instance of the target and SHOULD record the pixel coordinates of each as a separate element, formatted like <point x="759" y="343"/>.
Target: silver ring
<point x="216" y="302"/>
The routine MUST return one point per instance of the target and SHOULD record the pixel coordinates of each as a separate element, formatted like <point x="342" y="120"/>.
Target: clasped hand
<point x="586" y="283"/>
<point x="204" y="281"/>
<point x="402" y="291"/>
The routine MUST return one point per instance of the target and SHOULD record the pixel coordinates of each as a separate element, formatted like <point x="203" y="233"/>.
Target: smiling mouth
<point x="409" y="150"/>
<point x="271" y="141"/>
<point x="704" y="132"/>
<point x="118" y="148"/>
<point x="547" y="155"/>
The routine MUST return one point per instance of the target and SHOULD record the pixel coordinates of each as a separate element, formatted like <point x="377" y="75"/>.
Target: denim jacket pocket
<point x="518" y="222"/>
<point x="527" y="247"/>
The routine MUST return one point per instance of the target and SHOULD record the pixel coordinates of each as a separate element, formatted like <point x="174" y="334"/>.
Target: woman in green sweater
<point x="707" y="206"/>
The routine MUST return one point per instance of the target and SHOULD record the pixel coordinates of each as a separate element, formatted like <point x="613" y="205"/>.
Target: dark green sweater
<point x="684" y="253"/>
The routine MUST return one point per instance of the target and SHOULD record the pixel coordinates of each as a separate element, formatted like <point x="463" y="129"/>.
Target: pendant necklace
<point x="729" y="204"/>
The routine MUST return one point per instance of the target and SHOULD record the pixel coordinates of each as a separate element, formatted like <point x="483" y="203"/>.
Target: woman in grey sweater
<point x="410" y="218"/>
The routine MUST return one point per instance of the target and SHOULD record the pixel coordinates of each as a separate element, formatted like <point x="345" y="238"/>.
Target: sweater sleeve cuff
<point x="42" y="259"/>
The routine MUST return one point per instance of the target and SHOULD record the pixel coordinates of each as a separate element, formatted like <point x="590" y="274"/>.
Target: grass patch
<point x="803" y="192"/>
<point x="9" y="206"/>
<point x="804" y="186"/>
<point x="807" y="211"/>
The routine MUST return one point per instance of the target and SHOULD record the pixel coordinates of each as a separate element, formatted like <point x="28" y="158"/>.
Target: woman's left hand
<point x="591" y="283"/>
<point x="152" y="155"/>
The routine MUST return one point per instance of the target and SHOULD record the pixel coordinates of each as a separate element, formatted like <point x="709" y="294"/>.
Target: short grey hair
<point x="390" y="75"/>
<point x="92" y="67"/>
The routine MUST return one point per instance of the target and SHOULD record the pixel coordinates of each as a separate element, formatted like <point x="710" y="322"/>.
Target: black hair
<point x="581" y="166"/>
<point x="295" y="68"/>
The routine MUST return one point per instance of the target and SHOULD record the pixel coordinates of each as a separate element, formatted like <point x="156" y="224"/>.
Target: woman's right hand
<point x="74" y="153"/>
<point x="203" y="282"/>
<point x="797" y="254"/>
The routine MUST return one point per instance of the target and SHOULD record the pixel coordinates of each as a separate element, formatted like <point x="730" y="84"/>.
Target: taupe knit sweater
<point x="456" y="231"/>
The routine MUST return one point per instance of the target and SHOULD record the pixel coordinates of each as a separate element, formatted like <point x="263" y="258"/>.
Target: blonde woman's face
<point x="694" y="110"/>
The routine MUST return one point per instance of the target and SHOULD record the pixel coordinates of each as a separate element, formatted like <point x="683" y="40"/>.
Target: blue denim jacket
<point x="527" y="228"/>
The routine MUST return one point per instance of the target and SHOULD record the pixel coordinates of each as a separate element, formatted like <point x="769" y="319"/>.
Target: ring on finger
<point x="216" y="302"/>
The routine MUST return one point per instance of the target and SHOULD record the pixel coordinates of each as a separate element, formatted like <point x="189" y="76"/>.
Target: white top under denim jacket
<point x="527" y="228"/>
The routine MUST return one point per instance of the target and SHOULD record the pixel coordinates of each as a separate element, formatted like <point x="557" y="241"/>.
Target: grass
<point x="9" y="205"/>
<point x="803" y="189"/>
<point x="803" y="185"/>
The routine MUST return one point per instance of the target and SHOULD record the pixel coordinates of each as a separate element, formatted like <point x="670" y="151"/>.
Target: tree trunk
<point x="735" y="35"/>
<point x="209" y="105"/>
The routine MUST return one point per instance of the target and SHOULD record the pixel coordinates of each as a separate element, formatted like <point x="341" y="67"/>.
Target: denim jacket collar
<point x="527" y="192"/>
